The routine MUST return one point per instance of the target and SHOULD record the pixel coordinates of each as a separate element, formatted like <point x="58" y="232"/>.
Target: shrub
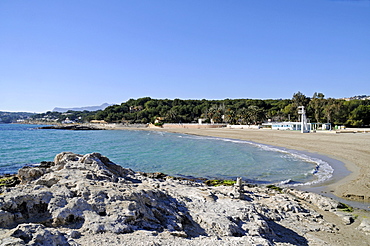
<point x="274" y="187"/>
<point x="216" y="182"/>
<point x="345" y="208"/>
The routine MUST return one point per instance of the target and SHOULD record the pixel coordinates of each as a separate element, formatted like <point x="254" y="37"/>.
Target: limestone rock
<point x="80" y="196"/>
<point x="11" y="241"/>
<point x="365" y="226"/>
<point x="324" y="203"/>
<point x="6" y="218"/>
<point x="347" y="218"/>
<point x="27" y="174"/>
<point x="61" y="159"/>
<point x="36" y="234"/>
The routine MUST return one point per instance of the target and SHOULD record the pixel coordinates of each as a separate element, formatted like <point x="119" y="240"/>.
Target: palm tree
<point x="215" y="113"/>
<point x="243" y="116"/>
<point x="256" y="114"/>
<point x="172" y="114"/>
<point x="231" y="117"/>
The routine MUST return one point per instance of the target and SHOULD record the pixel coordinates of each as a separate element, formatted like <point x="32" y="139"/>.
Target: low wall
<point x="244" y="126"/>
<point x="193" y="126"/>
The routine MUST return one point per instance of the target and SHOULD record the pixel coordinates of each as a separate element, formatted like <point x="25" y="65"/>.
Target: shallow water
<point x="173" y="154"/>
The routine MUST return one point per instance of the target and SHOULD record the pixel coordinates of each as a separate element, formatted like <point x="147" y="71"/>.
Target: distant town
<point x="362" y="97"/>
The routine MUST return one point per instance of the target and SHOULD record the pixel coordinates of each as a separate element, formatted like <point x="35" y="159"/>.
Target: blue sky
<point x="80" y="53"/>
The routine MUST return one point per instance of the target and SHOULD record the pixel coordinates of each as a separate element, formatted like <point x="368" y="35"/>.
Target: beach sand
<point x="350" y="148"/>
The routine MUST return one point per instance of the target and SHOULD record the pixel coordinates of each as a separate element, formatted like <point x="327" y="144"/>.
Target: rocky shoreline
<point x="88" y="200"/>
<point x="72" y="127"/>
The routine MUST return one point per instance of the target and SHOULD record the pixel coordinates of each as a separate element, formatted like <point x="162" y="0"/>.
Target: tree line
<point x="11" y="117"/>
<point x="353" y="113"/>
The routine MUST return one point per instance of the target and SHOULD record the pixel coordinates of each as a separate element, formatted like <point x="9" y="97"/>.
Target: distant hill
<point x="88" y="108"/>
<point x="12" y="117"/>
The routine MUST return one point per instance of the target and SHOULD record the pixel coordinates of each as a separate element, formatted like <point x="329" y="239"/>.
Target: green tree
<point x="215" y="113"/>
<point x="290" y="112"/>
<point x="317" y="104"/>
<point x="172" y="115"/>
<point x="299" y="99"/>
<point x="231" y="117"/>
<point x="360" y="116"/>
<point x="255" y="114"/>
<point x="331" y="109"/>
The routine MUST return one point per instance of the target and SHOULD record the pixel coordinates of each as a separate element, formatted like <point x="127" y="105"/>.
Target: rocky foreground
<point x="88" y="200"/>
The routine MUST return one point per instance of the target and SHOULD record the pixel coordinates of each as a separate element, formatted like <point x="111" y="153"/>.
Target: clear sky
<point x="88" y="52"/>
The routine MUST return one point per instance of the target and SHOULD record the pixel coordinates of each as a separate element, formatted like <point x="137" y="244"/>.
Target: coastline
<point x="347" y="148"/>
<point x="346" y="151"/>
<point x="338" y="147"/>
<point x="89" y="200"/>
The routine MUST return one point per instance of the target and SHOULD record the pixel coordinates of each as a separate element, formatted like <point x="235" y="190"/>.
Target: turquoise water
<point x="151" y="151"/>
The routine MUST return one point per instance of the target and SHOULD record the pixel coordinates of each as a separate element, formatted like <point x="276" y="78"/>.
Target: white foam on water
<point x="322" y="171"/>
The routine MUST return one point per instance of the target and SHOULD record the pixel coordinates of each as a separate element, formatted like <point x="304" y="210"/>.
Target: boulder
<point x="364" y="226"/>
<point x="84" y="195"/>
<point x="28" y="174"/>
<point x="36" y="234"/>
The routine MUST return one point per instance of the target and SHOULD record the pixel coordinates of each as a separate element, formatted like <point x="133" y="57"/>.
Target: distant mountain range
<point x="88" y="108"/>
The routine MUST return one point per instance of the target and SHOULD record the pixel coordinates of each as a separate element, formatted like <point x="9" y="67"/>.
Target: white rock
<point x="92" y="195"/>
<point x="364" y="226"/>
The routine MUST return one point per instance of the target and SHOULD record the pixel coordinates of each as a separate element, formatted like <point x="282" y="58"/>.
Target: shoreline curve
<point x="349" y="148"/>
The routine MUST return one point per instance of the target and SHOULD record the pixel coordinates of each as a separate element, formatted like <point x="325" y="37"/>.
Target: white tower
<point x="304" y="125"/>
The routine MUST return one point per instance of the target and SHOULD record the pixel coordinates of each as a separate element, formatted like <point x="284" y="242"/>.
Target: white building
<point x="297" y="126"/>
<point x="302" y="126"/>
<point x="293" y="126"/>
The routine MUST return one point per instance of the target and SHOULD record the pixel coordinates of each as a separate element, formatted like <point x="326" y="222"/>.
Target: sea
<point x="169" y="153"/>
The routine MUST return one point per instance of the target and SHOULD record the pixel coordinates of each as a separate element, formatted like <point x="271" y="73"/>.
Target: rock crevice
<point x="79" y="196"/>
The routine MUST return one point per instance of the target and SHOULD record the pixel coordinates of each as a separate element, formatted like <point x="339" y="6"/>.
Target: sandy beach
<point x="350" y="148"/>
